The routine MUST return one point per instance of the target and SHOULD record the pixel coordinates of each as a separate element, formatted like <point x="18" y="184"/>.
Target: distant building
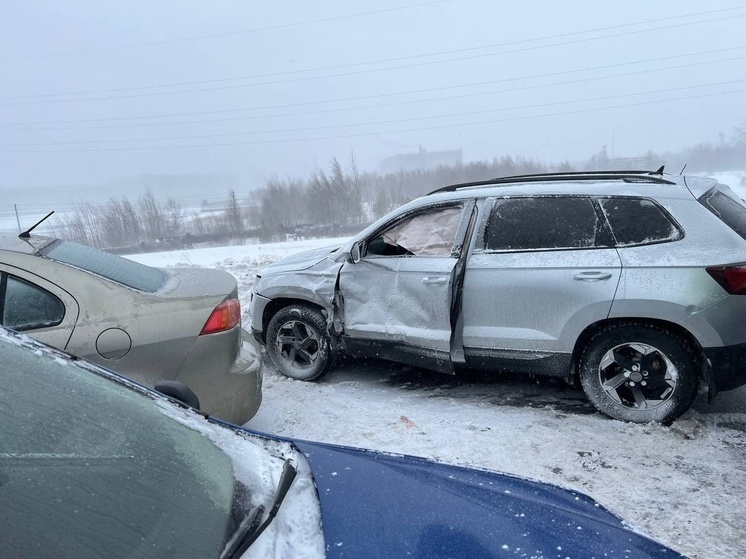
<point x="421" y="160"/>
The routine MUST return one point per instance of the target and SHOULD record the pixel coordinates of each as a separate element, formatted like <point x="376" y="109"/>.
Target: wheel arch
<point x="276" y="304"/>
<point x="591" y="330"/>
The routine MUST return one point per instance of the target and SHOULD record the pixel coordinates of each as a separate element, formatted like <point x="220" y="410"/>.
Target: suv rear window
<point x="727" y="209"/>
<point x="639" y="221"/>
<point x="113" y="267"/>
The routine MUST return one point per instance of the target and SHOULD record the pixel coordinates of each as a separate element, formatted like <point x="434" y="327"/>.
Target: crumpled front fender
<point x="315" y="285"/>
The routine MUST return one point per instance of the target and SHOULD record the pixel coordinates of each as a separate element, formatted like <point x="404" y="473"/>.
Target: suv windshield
<point x="113" y="267"/>
<point x="89" y="468"/>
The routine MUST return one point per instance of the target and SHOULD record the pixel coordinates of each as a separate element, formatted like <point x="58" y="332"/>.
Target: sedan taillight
<point x="731" y="278"/>
<point x="225" y="316"/>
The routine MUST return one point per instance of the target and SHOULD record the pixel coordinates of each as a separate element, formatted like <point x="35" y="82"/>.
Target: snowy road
<point x="683" y="485"/>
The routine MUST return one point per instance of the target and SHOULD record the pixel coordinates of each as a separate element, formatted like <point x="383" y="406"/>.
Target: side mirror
<point x="355" y="252"/>
<point x="178" y="391"/>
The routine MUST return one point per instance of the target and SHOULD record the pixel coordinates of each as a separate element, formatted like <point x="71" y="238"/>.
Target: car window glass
<point x="27" y="306"/>
<point x="426" y="234"/>
<point x="100" y="470"/>
<point x="541" y="223"/>
<point x="727" y="209"/>
<point x="124" y="271"/>
<point x="637" y="221"/>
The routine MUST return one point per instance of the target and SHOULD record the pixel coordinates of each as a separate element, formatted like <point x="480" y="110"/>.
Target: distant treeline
<point x="339" y="200"/>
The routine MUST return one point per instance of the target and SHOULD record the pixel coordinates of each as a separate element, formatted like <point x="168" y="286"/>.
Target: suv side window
<point x="639" y="221"/>
<point x="26" y="306"/>
<point x="544" y="222"/>
<point x="429" y="233"/>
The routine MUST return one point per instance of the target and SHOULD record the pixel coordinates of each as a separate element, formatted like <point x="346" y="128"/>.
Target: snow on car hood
<point x="257" y="462"/>
<point x="300" y="261"/>
<point x="382" y="505"/>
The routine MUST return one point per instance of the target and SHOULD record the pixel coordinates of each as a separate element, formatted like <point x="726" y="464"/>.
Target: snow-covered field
<point x="683" y="485"/>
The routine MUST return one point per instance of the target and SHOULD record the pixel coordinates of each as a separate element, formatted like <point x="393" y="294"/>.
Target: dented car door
<point x="396" y="299"/>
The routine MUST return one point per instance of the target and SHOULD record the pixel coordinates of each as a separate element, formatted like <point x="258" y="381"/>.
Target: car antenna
<point x="27" y="233"/>
<point x="659" y="171"/>
<point x="682" y="169"/>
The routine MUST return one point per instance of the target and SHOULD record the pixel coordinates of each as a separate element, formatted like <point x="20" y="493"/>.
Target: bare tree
<point x="382" y="202"/>
<point x="234" y="213"/>
<point x="355" y="189"/>
<point x="151" y="215"/>
<point x="174" y="217"/>
<point x="336" y="198"/>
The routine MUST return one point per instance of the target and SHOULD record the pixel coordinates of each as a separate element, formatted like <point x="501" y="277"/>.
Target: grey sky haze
<point x="93" y="91"/>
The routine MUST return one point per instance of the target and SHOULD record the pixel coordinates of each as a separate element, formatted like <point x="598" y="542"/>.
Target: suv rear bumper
<point x="727" y="366"/>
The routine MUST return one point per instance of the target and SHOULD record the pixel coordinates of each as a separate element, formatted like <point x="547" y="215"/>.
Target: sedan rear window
<point x="113" y="267"/>
<point x="727" y="209"/>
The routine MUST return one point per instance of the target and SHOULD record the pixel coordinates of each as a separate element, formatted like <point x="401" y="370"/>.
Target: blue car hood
<point x="383" y="505"/>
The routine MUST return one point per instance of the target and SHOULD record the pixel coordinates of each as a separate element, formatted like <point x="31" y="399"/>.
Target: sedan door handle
<point x="592" y="276"/>
<point x="434" y="280"/>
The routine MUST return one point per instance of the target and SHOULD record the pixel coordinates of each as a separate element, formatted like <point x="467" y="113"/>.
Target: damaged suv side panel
<point x="397" y="296"/>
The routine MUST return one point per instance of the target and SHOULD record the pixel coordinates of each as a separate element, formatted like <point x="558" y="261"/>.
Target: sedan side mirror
<point x="178" y="391"/>
<point x="355" y="252"/>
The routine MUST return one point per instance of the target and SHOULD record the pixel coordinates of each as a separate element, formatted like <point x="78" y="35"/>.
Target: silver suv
<point x="631" y="281"/>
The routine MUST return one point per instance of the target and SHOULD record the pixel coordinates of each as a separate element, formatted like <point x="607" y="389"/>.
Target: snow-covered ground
<point x="683" y="485"/>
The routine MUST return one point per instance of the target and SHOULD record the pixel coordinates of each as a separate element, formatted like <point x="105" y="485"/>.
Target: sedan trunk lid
<point x="198" y="283"/>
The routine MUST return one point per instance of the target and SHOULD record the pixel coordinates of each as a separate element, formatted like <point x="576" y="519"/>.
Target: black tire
<point x="298" y="342"/>
<point x="639" y="372"/>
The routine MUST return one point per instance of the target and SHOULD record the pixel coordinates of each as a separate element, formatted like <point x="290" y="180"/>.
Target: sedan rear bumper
<point x="228" y="385"/>
<point x="727" y="366"/>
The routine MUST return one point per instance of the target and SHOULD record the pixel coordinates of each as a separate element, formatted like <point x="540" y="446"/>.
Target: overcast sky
<point x="93" y="91"/>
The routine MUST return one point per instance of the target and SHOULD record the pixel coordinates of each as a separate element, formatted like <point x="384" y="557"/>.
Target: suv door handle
<point x="592" y="276"/>
<point x="434" y="280"/>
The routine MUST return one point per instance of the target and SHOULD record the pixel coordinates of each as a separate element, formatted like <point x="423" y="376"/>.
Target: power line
<point x="395" y="121"/>
<point x="362" y="134"/>
<point x="225" y="34"/>
<point x="341" y="74"/>
<point x="385" y="60"/>
<point x="408" y="102"/>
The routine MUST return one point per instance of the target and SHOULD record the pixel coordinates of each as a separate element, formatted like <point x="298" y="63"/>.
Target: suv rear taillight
<point x="731" y="278"/>
<point x="225" y="316"/>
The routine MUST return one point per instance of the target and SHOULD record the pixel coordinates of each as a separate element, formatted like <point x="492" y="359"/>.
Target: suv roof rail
<point x="627" y="176"/>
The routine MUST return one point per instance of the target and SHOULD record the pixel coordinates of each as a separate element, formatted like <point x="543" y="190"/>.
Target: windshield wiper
<point x="253" y="525"/>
